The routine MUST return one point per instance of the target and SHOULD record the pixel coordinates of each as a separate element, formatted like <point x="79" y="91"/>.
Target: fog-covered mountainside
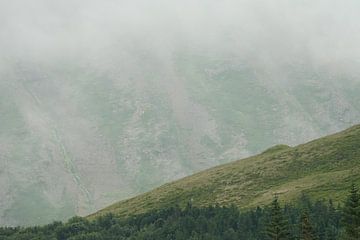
<point x="103" y="101"/>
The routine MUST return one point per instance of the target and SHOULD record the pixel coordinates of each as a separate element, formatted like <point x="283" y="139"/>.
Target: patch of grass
<point x="323" y="168"/>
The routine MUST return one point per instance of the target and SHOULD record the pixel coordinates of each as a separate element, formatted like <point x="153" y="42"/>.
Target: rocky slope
<point x="74" y="139"/>
<point x="101" y="101"/>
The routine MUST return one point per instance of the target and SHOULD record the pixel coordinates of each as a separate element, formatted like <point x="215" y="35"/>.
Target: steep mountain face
<point x="101" y="101"/>
<point x="322" y="169"/>
<point x="75" y="138"/>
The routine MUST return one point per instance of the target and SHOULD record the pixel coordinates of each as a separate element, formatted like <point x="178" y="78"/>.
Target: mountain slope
<point x="146" y="92"/>
<point x="322" y="168"/>
<point x="65" y="125"/>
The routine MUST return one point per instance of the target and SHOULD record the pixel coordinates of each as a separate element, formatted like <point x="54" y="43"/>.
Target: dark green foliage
<point x="351" y="217"/>
<point x="306" y="228"/>
<point x="277" y="228"/>
<point x="321" y="221"/>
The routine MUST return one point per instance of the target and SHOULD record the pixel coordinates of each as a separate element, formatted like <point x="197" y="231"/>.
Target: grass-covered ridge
<point x="322" y="168"/>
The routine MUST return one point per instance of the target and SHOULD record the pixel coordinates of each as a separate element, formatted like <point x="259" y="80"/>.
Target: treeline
<point x="305" y="220"/>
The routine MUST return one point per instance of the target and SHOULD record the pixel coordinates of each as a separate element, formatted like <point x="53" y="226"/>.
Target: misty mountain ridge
<point x="144" y="134"/>
<point x="101" y="102"/>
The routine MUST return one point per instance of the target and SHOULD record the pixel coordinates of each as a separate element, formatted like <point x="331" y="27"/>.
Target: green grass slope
<point x="323" y="168"/>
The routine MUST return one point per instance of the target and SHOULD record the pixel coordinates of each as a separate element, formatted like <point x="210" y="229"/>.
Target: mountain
<point x="322" y="169"/>
<point x="74" y="139"/>
<point x="105" y="100"/>
<point x="66" y="126"/>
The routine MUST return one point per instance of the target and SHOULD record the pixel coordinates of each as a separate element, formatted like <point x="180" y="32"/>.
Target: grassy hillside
<point x="323" y="168"/>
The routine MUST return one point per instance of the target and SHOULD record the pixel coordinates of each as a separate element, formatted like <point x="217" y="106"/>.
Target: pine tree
<point x="307" y="232"/>
<point x="277" y="228"/>
<point x="332" y="229"/>
<point x="351" y="214"/>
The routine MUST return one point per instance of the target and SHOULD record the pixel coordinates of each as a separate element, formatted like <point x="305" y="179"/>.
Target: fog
<point x="323" y="32"/>
<point x="103" y="100"/>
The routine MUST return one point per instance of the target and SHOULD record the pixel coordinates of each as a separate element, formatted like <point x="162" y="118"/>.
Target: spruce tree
<point x="277" y="228"/>
<point x="332" y="229"/>
<point x="307" y="232"/>
<point x="351" y="214"/>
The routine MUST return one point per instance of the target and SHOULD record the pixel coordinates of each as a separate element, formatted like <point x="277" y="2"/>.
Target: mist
<point x="103" y="100"/>
<point x="323" y="32"/>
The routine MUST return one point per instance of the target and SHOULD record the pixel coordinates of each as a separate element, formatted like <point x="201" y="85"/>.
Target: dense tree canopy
<point x="351" y="217"/>
<point x="303" y="220"/>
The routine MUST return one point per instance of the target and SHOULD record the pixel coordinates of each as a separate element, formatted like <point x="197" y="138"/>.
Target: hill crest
<point x="322" y="168"/>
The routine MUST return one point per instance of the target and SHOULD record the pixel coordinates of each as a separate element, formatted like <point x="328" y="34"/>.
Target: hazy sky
<point x="325" y="30"/>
